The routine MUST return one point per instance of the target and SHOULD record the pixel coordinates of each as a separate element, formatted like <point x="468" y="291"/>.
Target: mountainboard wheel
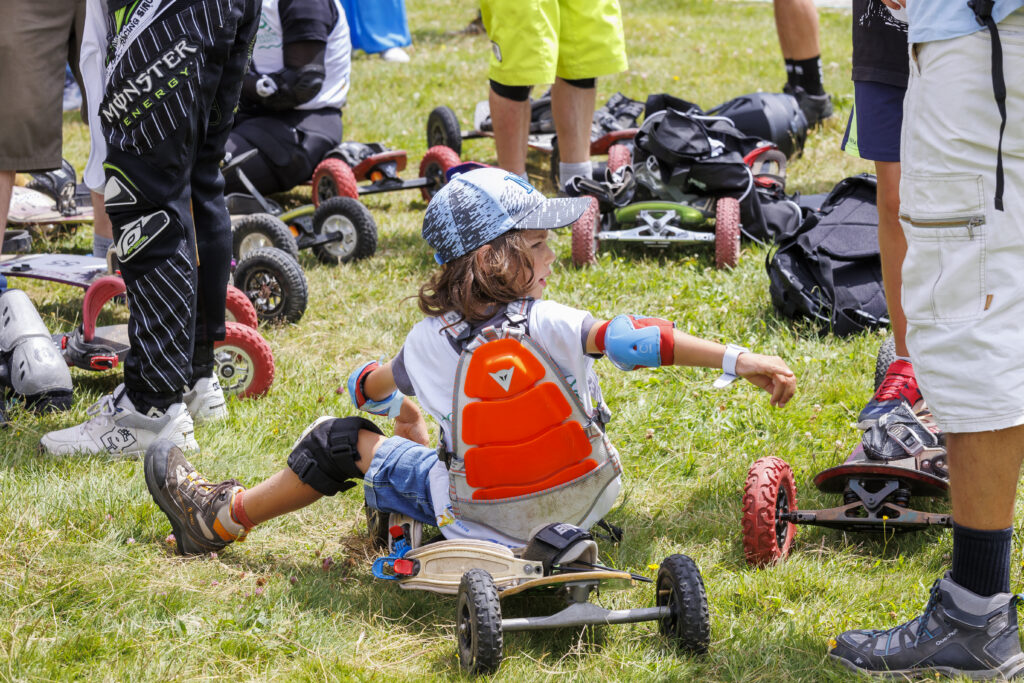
<point x="333" y="178"/>
<point x="239" y="309"/>
<point x="768" y="492"/>
<point x="619" y="156"/>
<point x="434" y="166"/>
<point x="727" y="232"/>
<point x="355" y="223"/>
<point x="243" y="362"/>
<point x="261" y="230"/>
<point x="584" y="236"/>
<point x="443" y="129"/>
<point x="886" y="356"/>
<point x="680" y="587"/>
<point x="275" y="284"/>
<point x="478" y="623"/>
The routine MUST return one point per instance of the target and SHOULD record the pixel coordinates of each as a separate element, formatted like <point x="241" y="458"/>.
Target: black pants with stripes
<point x="174" y="74"/>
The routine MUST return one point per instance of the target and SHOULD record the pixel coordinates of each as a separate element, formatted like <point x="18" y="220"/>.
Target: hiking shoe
<point x="960" y="633"/>
<point x="816" y="108"/>
<point x="899" y="385"/>
<point x="199" y="511"/>
<point x="205" y="400"/>
<point x="117" y="429"/>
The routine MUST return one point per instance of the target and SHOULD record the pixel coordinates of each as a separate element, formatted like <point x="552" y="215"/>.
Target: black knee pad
<point x="584" y="83"/>
<point x="517" y="93"/>
<point x="326" y="455"/>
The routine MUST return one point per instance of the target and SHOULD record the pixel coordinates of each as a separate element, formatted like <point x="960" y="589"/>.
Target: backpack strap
<point x="983" y="14"/>
<point x="512" y="322"/>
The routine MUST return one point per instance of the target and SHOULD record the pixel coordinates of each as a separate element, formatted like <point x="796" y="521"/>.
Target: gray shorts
<point x="37" y="38"/>
<point x="963" y="277"/>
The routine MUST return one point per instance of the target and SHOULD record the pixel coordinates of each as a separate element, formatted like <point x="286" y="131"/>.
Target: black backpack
<point x="830" y="270"/>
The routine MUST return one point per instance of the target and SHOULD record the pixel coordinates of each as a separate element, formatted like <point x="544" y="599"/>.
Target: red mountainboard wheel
<point x="727" y="232"/>
<point x="243" y="362"/>
<point x="768" y="493"/>
<point x="239" y="309"/>
<point x="584" y="236"/>
<point x="333" y="178"/>
<point x="619" y="156"/>
<point x="434" y="166"/>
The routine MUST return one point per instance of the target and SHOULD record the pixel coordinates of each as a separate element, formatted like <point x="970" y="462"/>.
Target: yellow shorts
<point x="532" y="41"/>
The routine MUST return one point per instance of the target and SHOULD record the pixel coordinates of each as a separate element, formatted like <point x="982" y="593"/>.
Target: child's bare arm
<point x="410" y="423"/>
<point x="767" y="372"/>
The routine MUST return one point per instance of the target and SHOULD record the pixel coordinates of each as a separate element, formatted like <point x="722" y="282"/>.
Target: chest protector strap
<point x="527" y="453"/>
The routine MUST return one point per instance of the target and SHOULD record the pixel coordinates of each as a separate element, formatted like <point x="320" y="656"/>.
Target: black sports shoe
<point x="960" y="633"/>
<point x="816" y="108"/>
<point x="199" y="511"/>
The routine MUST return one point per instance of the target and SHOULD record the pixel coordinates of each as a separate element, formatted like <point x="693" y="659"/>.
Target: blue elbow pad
<point x="387" y="407"/>
<point x="630" y="342"/>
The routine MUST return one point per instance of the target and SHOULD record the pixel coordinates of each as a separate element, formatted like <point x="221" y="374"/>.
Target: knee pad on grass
<point x="325" y="455"/>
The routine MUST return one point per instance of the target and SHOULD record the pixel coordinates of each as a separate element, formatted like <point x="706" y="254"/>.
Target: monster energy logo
<point x="144" y="90"/>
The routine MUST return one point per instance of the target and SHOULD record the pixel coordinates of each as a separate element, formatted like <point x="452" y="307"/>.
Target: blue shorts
<point x="873" y="132"/>
<point x="398" y="479"/>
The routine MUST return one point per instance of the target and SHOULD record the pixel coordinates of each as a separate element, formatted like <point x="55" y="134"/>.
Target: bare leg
<point x="511" y="120"/>
<point x="796" y="22"/>
<point x="101" y="221"/>
<point x="284" y="492"/>
<point x="983" y="471"/>
<point x="573" y="111"/>
<point x="893" y="246"/>
<point x="6" y="187"/>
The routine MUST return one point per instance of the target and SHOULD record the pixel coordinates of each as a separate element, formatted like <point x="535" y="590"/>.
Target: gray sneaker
<point x="199" y="511"/>
<point x="960" y="633"/>
<point x="816" y="108"/>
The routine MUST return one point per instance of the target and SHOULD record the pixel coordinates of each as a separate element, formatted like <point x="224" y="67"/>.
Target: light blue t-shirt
<point x="945" y="19"/>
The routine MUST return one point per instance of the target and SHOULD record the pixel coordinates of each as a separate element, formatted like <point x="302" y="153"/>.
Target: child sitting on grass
<point x="489" y="229"/>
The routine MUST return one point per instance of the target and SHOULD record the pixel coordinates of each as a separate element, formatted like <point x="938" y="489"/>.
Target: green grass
<point x="89" y="588"/>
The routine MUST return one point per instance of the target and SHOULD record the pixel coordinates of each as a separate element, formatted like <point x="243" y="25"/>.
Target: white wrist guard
<point x="728" y="376"/>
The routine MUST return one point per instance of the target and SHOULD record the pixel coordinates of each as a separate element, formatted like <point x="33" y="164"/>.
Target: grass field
<point x="90" y="589"/>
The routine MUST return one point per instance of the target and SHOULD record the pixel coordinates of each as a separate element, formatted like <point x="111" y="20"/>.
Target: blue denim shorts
<point x="398" y="481"/>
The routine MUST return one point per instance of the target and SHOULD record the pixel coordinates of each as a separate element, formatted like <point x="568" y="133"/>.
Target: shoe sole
<point x="156" y="459"/>
<point x="1007" y="671"/>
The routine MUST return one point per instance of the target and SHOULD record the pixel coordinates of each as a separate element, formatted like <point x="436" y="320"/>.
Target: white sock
<point x="906" y="358"/>
<point x="567" y="171"/>
<point x="100" y="245"/>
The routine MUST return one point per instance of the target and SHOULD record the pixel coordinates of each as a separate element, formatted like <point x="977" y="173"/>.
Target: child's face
<point x="543" y="257"/>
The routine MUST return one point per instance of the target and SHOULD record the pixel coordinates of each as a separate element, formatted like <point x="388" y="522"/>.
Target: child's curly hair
<point x="475" y="283"/>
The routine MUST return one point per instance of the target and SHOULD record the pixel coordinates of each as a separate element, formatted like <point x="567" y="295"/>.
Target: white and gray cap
<point x="479" y="205"/>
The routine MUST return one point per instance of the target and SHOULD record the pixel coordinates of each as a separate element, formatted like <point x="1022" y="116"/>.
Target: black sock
<point x="981" y="559"/>
<point x="805" y="73"/>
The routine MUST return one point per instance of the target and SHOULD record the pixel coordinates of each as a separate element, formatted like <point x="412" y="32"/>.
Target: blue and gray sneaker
<point x="960" y="633"/>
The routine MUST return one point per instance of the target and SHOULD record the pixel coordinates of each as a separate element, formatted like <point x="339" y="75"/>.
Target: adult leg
<point x="796" y="22"/>
<point x="511" y="121"/>
<point x="6" y="187"/>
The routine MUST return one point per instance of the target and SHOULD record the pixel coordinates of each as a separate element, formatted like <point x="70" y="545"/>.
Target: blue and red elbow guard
<point x="630" y="342"/>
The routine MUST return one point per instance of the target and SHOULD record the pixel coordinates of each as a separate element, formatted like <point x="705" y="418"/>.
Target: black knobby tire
<point x="886" y="356"/>
<point x="478" y="623"/>
<point x="258" y="230"/>
<point x="443" y="129"/>
<point x="727" y="232"/>
<point x="274" y="283"/>
<point x="377" y="527"/>
<point x="680" y="587"/>
<point x="354" y="221"/>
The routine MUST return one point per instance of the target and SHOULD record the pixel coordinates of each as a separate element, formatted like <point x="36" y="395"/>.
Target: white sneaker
<point x="394" y="54"/>
<point x="205" y="401"/>
<point x="117" y="429"/>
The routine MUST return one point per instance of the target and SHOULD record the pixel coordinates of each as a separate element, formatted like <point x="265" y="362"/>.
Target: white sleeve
<point x="90" y="63"/>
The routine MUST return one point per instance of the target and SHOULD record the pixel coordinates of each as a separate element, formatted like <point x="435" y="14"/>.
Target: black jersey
<point x="879" y="45"/>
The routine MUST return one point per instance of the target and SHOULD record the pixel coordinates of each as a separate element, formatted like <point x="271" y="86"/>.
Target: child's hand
<point x="410" y="423"/>
<point x="770" y="373"/>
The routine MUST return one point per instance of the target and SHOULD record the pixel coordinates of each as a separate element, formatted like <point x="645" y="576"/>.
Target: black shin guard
<point x="325" y="456"/>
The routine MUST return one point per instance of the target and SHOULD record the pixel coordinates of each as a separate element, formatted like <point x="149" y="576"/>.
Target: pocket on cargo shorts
<point x="943" y="218"/>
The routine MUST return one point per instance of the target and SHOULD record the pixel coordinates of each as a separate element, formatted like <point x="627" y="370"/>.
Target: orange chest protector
<point x="526" y="452"/>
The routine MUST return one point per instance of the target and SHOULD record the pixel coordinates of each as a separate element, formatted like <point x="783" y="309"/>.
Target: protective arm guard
<point x="631" y="342"/>
<point x="30" y="364"/>
<point x="285" y="89"/>
<point x="387" y="407"/>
